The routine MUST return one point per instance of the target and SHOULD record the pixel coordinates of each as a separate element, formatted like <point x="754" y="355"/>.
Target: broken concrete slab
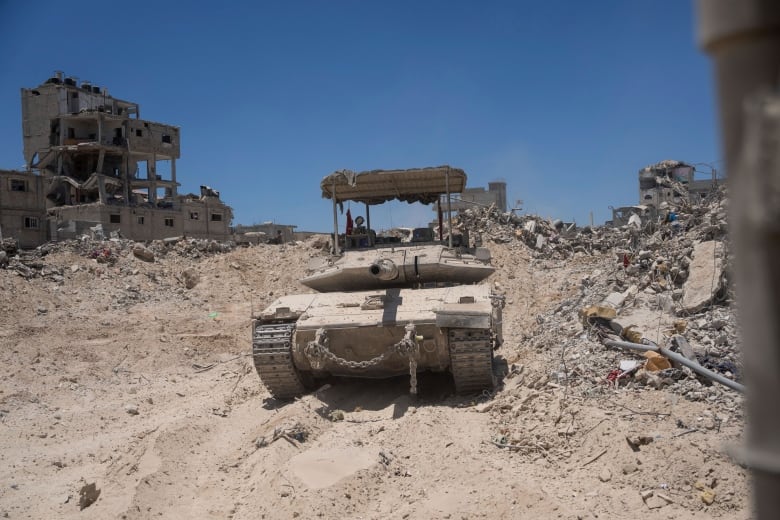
<point x="704" y="276"/>
<point x="615" y="299"/>
<point x="142" y="252"/>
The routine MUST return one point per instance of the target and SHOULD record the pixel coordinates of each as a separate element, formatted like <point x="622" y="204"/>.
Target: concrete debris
<point x="190" y="277"/>
<point x="634" y="442"/>
<point x="656" y="283"/>
<point x="88" y="494"/>
<point x="704" y="278"/>
<point x="31" y="263"/>
<point x="142" y="252"/>
<point x="706" y="494"/>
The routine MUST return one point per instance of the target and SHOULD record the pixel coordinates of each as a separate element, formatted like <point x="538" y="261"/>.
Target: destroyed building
<point x="664" y="184"/>
<point x="92" y="162"/>
<point x="494" y="195"/>
<point x="674" y="182"/>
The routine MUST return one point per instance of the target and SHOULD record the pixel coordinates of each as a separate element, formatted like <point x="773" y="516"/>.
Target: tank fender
<point x="462" y="319"/>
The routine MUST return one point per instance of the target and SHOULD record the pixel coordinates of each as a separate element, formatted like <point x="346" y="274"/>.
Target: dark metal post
<point x="335" y="221"/>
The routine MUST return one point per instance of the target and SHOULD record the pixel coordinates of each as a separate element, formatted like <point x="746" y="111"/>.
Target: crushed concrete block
<point x="704" y="276"/>
<point x="665" y="302"/>
<point x="191" y="278"/>
<point x="615" y="300"/>
<point x="143" y="253"/>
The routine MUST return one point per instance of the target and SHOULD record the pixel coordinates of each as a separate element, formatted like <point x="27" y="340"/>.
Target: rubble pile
<point x="30" y="263"/>
<point x="670" y="287"/>
<point x="544" y="238"/>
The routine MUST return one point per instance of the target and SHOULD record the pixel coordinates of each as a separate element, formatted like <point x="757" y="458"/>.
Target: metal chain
<point x="317" y="352"/>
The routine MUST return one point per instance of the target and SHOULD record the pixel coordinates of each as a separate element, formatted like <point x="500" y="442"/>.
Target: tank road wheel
<point x="471" y="360"/>
<point x="272" y="354"/>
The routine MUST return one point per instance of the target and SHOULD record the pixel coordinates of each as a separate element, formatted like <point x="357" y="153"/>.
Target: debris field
<point x="127" y="388"/>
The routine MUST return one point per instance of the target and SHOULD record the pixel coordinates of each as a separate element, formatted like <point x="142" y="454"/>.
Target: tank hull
<point x="366" y="334"/>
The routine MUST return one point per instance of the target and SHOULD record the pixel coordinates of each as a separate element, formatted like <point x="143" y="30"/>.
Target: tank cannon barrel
<point x="384" y="269"/>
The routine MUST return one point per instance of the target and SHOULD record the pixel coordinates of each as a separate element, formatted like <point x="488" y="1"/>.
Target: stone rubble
<point x="677" y="272"/>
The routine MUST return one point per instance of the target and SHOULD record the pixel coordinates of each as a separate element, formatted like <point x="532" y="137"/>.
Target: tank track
<point x="471" y="360"/>
<point x="272" y="354"/>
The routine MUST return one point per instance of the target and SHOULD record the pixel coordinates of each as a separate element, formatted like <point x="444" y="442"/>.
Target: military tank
<point x="385" y="308"/>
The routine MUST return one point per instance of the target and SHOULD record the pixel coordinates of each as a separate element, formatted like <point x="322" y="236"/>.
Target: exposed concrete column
<point x="101" y="158"/>
<point x="102" y="188"/>
<point x="125" y="174"/>
<point x="60" y="142"/>
<point x="174" y="191"/>
<point x="151" y="176"/>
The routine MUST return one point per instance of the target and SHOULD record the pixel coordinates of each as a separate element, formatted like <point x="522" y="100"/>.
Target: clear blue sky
<point x="564" y="100"/>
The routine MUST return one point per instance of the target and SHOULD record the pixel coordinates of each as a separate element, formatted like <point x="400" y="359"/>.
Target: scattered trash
<point x="656" y="361"/>
<point x="639" y="440"/>
<point x="294" y="434"/>
<point x="706" y="494"/>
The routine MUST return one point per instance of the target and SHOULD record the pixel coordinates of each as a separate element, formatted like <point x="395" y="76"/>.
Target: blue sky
<point x="564" y="100"/>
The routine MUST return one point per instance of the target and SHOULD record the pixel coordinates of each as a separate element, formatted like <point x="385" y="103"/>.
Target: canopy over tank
<point x="363" y="261"/>
<point x="386" y="307"/>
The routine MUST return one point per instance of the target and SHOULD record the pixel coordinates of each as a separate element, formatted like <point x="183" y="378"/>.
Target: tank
<point x="385" y="308"/>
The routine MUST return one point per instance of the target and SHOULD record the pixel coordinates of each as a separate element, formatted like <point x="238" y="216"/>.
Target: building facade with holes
<point x="90" y="159"/>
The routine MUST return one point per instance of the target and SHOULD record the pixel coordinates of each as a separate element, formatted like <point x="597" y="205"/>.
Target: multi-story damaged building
<point x="90" y="159"/>
<point x="672" y="182"/>
<point x="665" y="183"/>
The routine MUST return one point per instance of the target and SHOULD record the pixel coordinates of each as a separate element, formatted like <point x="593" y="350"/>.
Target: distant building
<point x="90" y="159"/>
<point x="23" y="208"/>
<point x="495" y="194"/>
<point x="671" y="182"/>
<point x="269" y="230"/>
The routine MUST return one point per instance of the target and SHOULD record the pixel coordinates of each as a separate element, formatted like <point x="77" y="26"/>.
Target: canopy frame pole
<point x="368" y="226"/>
<point x="440" y="218"/>
<point x="335" y="222"/>
<point x="449" y="205"/>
